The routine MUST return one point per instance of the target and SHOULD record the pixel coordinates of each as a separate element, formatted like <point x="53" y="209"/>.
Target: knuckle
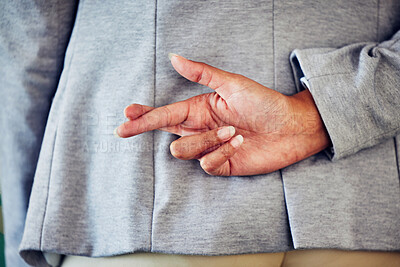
<point x="205" y="75"/>
<point x="210" y="139"/>
<point x="146" y="122"/>
<point x="200" y="73"/>
<point x="167" y="113"/>
<point x="225" y="152"/>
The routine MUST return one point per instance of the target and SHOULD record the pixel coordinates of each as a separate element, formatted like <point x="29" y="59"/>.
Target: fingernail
<point x="226" y="132"/>
<point x="116" y="133"/>
<point x="237" y="141"/>
<point x="170" y="55"/>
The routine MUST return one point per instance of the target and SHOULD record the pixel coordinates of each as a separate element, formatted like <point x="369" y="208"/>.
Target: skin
<point x="270" y="130"/>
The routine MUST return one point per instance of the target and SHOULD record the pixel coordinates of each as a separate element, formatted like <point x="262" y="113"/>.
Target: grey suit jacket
<point x="67" y="70"/>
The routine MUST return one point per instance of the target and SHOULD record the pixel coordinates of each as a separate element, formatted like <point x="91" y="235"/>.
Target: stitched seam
<point x="154" y="102"/>
<point x="395" y="41"/>
<point x="77" y="19"/>
<point x="274" y="67"/>
<point x="48" y="191"/>
<point x="377" y="21"/>
<point x="397" y="157"/>
<point x="331" y="74"/>
<point x="396" y="153"/>
<point x="290" y="235"/>
<point x="273" y="41"/>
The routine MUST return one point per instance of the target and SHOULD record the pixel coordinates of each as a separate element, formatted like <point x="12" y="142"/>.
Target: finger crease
<point x="200" y="76"/>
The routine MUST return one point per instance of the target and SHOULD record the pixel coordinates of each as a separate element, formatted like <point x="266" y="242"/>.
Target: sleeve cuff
<point x="321" y="86"/>
<point x="355" y="89"/>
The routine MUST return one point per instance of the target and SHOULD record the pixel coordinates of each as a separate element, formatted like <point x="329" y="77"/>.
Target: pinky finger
<point x="216" y="162"/>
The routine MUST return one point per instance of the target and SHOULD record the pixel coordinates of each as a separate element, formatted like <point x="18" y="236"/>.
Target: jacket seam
<point x="280" y="171"/>
<point x="396" y="153"/>
<point x="154" y="102"/>
<point x="394" y="42"/>
<point x="47" y="191"/>
<point x="273" y="41"/>
<point x="377" y="20"/>
<point x="78" y="17"/>
<point x="330" y="74"/>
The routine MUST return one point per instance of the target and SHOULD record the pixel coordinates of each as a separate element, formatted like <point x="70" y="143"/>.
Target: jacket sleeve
<point x="356" y="89"/>
<point x="33" y="40"/>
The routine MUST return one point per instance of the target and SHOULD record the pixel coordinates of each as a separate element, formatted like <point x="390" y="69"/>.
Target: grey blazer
<point x="68" y="69"/>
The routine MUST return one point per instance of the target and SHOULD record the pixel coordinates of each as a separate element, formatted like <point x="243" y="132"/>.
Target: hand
<point x="268" y="130"/>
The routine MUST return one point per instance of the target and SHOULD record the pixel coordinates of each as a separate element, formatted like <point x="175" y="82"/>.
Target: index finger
<point x="165" y="116"/>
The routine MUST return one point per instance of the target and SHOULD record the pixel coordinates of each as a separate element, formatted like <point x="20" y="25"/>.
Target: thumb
<point x="223" y="82"/>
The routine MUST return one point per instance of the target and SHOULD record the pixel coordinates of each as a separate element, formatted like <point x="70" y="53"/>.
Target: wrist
<point x="309" y="127"/>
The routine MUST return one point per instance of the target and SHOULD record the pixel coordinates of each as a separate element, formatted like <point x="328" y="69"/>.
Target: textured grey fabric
<point x="33" y="39"/>
<point x="96" y="195"/>
<point x="367" y="78"/>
